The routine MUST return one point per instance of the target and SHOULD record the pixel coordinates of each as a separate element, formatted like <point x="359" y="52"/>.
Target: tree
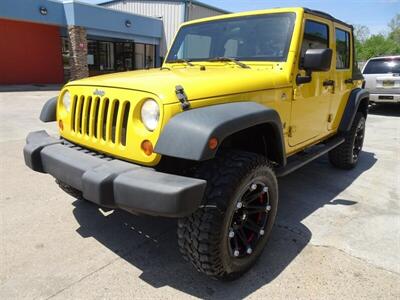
<point x="394" y="26"/>
<point x="361" y="33"/>
<point x="378" y="45"/>
<point x="368" y="46"/>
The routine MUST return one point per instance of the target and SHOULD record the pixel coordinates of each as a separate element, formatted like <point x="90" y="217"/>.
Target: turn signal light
<point x="147" y="147"/>
<point x="212" y="143"/>
<point x="61" y="124"/>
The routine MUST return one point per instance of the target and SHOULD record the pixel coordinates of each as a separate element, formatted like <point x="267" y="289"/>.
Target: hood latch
<point x="182" y="97"/>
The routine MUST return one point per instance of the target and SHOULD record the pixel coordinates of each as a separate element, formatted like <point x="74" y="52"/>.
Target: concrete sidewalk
<point x="337" y="234"/>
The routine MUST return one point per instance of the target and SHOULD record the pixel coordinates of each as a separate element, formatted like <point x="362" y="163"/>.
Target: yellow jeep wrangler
<point x="240" y="100"/>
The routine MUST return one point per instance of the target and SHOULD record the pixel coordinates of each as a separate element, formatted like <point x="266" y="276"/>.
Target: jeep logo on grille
<point x="98" y="92"/>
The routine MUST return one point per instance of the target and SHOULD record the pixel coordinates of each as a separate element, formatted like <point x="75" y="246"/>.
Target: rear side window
<point x="316" y="36"/>
<point x="382" y="66"/>
<point x="342" y="49"/>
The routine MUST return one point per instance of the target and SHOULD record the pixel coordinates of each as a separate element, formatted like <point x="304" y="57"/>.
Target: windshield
<point x="255" y="38"/>
<point x="382" y="66"/>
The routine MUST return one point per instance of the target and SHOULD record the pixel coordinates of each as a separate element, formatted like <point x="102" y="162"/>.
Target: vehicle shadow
<point x="385" y="109"/>
<point x="150" y="244"/>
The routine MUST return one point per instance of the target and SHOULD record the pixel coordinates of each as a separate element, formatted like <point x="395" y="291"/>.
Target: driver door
<point x="311" y="100"/>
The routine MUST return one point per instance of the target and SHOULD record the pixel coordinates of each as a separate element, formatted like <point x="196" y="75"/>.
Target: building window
<point x="150" y="56"/>
<point x="65" y="52"/>
<point x="124" y="59"/>
<point x="106" y="56"/>
<point x="139" y="56"/>
<point x="115" y="56"/>
<point x="144" y="56"/>
<point x="92" y="55"/>
<point x="342" y="49"/>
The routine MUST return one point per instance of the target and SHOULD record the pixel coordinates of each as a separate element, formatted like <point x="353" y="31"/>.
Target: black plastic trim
<point x="325" y="16"/>
<point x="114" y="183"/>
<point x="297" y="163"/>
<point x="355" y="98"/>
<point x="186" y="135"/>
<point x="49" y="111"/>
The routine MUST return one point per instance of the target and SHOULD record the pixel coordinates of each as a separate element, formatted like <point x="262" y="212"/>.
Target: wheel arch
<point x="49" y="111"/>
<point x="358" y="102"/>
<point x="187" y="134"/>
<point x="265" y="140"/>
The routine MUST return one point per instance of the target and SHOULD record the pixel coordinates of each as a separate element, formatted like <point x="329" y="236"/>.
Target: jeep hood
<point x="198" y="84"/>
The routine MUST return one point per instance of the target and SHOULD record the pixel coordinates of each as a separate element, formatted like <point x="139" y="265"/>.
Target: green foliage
<point x="368" y="46"/>
<point x="395" y="29"/>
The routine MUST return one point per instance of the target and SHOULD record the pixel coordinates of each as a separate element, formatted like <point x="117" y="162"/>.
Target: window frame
<point x="304" y="32"/>
<point x="349" y="49"/>
<point x="289" y="38"/>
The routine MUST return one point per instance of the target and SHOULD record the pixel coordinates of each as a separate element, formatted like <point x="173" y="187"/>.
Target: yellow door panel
<point x="311" y="101"/>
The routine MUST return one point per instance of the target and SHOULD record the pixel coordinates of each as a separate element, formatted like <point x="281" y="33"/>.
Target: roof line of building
<point x="77" y="13"/>
<point x="183" y="1"/>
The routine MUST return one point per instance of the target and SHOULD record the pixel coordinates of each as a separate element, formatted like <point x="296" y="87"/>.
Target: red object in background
<point x="30" y="53"/>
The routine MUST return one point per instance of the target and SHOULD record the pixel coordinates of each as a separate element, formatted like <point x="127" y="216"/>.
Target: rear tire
<point x="225" y="236"/>
<point x="346" y="155"/>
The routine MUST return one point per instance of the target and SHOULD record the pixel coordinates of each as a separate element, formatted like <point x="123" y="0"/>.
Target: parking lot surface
<point x="337" y="233"/>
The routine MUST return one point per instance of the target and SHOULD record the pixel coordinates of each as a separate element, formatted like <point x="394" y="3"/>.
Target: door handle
<point x="349" y="81"/>
<point x="328" y="83"/>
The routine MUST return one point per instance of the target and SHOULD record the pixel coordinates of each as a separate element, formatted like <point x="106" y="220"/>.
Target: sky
<point x="375" y="14"/>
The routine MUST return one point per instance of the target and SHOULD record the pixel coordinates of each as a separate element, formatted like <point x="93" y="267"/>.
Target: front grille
<point x="100" y="118"/>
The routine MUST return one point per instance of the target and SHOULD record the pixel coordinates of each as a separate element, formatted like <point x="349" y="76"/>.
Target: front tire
<point x="225" y="236"/>
<point x="346" y="155"/>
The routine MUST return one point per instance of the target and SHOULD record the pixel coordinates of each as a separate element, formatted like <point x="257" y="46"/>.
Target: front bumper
<point x="111" y="182"/>
<point x="384" y="98"/>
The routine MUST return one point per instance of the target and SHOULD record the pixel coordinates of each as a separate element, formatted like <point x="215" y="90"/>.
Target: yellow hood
<point x="198" y="84"/>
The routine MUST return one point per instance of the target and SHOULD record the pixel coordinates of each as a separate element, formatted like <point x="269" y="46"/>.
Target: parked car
<point x="240" y="100"/>
<point x="382" y="79"/>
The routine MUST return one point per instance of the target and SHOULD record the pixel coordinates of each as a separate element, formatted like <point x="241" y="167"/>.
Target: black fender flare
<point x="356" y="97"/>
<point x="49" y="111"/>
<point x="186" y="135"/>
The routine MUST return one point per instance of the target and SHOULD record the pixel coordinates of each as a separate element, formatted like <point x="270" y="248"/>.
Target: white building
<point x="172" y="12"/>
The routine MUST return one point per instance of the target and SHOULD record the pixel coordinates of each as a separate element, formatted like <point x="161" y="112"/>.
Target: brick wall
<point x="78" y="52"/>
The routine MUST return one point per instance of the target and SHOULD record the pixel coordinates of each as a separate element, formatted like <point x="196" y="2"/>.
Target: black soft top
<point x="326" y="16"/>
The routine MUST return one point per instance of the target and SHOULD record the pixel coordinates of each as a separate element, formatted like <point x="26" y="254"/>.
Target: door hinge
<point x="182" y="97"/>
<point x="291" y="131"/>
<point x="330" y="117"/>
<point x="295" y="94"/>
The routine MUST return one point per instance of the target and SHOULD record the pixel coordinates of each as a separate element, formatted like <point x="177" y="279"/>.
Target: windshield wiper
<point x="180" y="61"/>
<point x="229" y="59"/>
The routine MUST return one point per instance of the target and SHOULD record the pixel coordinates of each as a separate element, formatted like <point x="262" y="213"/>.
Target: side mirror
<point x="315" y="60"/>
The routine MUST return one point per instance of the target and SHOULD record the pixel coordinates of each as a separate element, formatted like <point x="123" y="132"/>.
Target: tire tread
<point x="199" y="234"/>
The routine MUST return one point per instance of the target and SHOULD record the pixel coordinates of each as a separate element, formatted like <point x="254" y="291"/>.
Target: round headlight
<point x="66" y="100"/>
<point x="150" y="114"/>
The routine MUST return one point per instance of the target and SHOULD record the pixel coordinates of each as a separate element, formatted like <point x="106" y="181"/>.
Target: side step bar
<point x="297" y="163"/>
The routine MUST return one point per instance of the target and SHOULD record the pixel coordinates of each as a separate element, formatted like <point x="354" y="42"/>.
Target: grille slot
<point x="73" y="112"/>
<point x="78" y="118"/>
<point x="125" y="116"/>
<point x="102" y="119"/>
<point x="114" y="120"/>
<point x="94" y="108"/>
<point x="86" y="115"/>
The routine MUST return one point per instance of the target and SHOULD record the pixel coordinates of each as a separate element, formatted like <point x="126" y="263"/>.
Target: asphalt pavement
<point x="337" y="234"/>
